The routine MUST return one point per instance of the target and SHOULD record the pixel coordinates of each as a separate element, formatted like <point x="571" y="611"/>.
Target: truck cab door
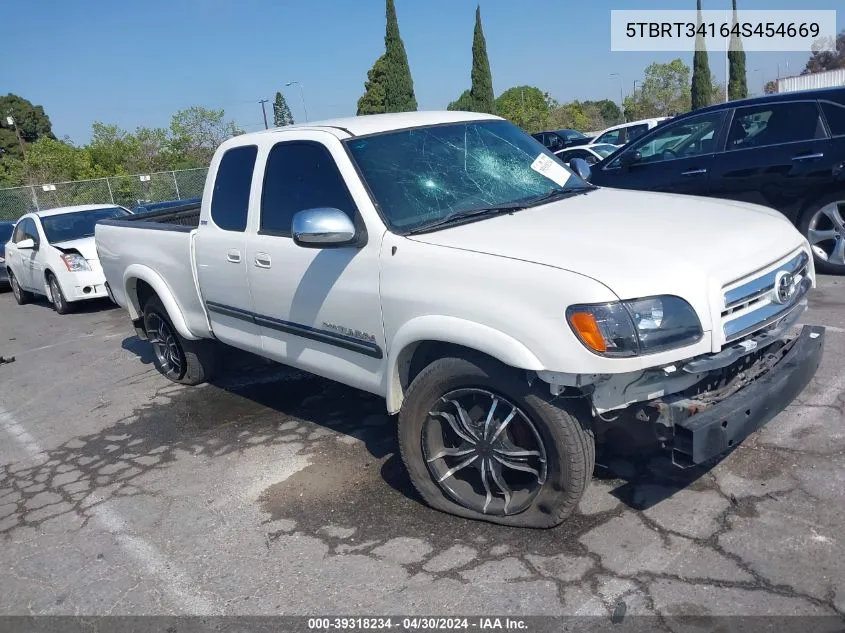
<point x="318" y="308"/>
<point x="220" y="249"/>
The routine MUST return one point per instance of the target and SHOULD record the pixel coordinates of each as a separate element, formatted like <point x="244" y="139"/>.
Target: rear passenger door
<point x="319" y="308"/>
<point x="776" y="155"/>
<point x="220" y="250"/>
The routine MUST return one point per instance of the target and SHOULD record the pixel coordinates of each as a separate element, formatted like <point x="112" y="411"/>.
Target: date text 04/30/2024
<point x="417" y="624"/>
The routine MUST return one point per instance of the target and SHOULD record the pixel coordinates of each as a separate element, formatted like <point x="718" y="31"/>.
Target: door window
<point x="611" y="137"/>
<point x="635" y="131"/>
<point x="230" y="200"/>
<point x="683" y="139"/>
<point x="17" y="236"/>
<point x="26" y="230"/>
<point x="835" y="115"/>
<point x="300" y="175"/>
<point x="774" y="124"/>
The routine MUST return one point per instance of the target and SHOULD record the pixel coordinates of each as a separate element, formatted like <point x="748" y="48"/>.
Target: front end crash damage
<point x="704" y="406"/>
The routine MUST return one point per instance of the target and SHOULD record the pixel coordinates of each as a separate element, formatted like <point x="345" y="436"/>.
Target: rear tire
<point x="823" y="224"/>
<point x="21" y="296"/>
<point x="176" y="358"/>
<point x="60" y="304"/>
<point x="544" y="458"/>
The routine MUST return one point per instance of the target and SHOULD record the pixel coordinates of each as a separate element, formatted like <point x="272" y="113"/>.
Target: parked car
<point x="52" y="253"/>
<point x="592" y="153"/>
<point x="627" y="132"/>
<point x="555" y="140"/>
<point x="452" y="265"/>
<point x="6" y="228"/>
<point x="784" y="151"/>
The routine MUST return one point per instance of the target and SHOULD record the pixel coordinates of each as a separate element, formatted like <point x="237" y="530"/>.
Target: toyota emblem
<point x="783" y="286"/>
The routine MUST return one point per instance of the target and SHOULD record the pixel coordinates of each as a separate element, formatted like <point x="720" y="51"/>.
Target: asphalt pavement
<point x="277" y="492"/>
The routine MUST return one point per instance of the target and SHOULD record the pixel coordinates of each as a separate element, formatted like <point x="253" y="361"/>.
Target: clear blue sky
<point x="135" y="63"/>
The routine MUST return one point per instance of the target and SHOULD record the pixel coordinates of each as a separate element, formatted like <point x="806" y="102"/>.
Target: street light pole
<point x="301" y="96"/>
<point x="12" y="123"/>
<point x="263" y="111"/>
<point x="621" y="94"/>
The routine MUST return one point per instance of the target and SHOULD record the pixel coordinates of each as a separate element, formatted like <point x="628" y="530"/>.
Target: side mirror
<point x="630" y="158"/>
<point x="322" y="227"/>
<point x="582" y="168"/>
<point x="26" y="245"/>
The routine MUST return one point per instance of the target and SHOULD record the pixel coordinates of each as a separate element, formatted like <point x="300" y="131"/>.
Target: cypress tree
<point x="372" y="101"/>
<point x="482" y="80"/>
<point x="738" y="82"/>
<point x="281" y="112"/>
<point x="702" y="86"/>
<point x="398" y="84"/>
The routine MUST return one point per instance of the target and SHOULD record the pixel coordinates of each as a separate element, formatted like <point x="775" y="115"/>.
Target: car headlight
<point x="639" y="326"/>
<point x="75" y="262"/>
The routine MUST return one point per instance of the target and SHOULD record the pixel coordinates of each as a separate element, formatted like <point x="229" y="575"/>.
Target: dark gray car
<point x="6" y="228"/>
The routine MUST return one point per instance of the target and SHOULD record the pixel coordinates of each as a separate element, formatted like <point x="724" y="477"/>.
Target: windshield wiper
<point x="460" y="217"/>
<point x="557" y="194"/>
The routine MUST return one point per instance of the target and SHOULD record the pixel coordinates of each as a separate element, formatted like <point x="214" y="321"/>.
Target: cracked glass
<point x="421" y="175"/>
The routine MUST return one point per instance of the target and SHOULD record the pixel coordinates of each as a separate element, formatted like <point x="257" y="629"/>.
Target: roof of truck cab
<point x="73" y="209"/>
<point x="376" y="123"/>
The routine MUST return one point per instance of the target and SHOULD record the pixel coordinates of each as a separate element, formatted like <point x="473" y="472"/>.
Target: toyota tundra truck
<point x="502" y="306"/>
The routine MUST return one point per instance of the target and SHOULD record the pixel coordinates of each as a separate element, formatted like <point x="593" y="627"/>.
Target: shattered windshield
<point x="421" y="175"/>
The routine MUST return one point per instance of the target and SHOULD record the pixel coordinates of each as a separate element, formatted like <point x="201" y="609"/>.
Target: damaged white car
<point x="52" y="253"/>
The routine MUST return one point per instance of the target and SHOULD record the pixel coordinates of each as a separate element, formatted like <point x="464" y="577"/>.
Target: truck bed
<point x="157" y="246"/>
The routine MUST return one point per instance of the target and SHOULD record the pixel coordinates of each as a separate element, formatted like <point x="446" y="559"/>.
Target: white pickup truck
<point x="506" y="309"/>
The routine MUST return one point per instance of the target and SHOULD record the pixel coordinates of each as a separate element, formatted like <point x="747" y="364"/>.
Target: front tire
<point x="480" y="443"/>
<point x="60" y="304"/>
<point x="823" y="224"/>
<point x="21" y="296"/>
<point x="176" y="358"/>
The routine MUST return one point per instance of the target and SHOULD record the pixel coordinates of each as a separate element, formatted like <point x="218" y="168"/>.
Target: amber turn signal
<point x="584" y="323"/>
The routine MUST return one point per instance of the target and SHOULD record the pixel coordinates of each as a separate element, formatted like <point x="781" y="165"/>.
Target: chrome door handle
<point x="809" y="156"/>
<point x="234" y="256"/>
<point x="262" y="260"/>
<point x="694" y="172"/>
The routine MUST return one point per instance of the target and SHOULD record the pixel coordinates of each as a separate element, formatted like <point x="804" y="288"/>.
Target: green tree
<point x="464" y="102"/>
<point x="49" y="160"/>
<point x="527" y="106"/>
<point x="771" y="87"/>
<point x="281" y="112"/>
<point x="821" y="61"/>
<point x="738" y="83"/>
<point x="31" y="121"/>
<point x="196" y="132"/>
<point x="373" y="99"/>
<point x="701" y="82"/>
<point x="481" y="91"/>
<point x="398" y="83"/>
<point x="665" y="90"/>
<point x="610" y="112"/>
<point x="578" y="115"/>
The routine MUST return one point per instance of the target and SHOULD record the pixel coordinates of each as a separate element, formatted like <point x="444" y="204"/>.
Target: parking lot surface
<point x="276" y="492"/>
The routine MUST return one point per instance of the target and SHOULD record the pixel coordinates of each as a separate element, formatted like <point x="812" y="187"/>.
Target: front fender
<point x="136" y="272"/>
<point x="457" y="331"/>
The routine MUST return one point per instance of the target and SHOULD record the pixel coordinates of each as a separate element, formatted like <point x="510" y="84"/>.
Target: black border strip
<point x="323" y="336"/>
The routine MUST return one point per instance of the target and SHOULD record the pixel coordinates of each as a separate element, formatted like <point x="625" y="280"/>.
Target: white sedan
<point x="52" y="253"/>
<point x="592" y="153"/>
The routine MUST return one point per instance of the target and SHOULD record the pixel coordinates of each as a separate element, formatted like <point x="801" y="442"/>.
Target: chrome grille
<point x="754" y="304"/>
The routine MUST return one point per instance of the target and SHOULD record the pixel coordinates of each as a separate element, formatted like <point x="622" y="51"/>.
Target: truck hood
<point x="84" y="246"/>
<point x="636" y="243"/>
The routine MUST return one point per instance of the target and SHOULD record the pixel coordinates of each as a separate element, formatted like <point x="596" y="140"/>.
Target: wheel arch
<point x="140" y="283"/>
<point x="425" y="339"/>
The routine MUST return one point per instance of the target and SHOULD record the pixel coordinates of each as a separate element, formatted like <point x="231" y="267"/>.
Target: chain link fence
<point x="127" y="191"/>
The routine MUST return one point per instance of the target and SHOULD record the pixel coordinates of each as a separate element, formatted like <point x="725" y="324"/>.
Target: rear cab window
<point x="232" y="185"/>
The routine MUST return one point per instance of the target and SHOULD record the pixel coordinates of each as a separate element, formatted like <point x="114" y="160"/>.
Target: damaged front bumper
<point x="707" y="426"/>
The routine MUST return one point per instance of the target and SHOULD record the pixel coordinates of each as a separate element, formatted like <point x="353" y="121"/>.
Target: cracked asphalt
<point x="276" y="492"/>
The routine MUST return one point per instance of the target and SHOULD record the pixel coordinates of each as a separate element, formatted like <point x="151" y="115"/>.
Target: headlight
<point x="75" y="262"/>
<point x="640" y="326"/>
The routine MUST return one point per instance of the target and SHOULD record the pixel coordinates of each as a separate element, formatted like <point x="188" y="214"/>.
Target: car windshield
<point x="76" y="225"/>
<point x="572" y="135"/>
<point x="422" y="175"/>
<point x="604" y="149"/>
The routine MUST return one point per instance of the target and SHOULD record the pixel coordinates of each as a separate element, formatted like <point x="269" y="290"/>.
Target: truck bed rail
<point x="184" y="218"/>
